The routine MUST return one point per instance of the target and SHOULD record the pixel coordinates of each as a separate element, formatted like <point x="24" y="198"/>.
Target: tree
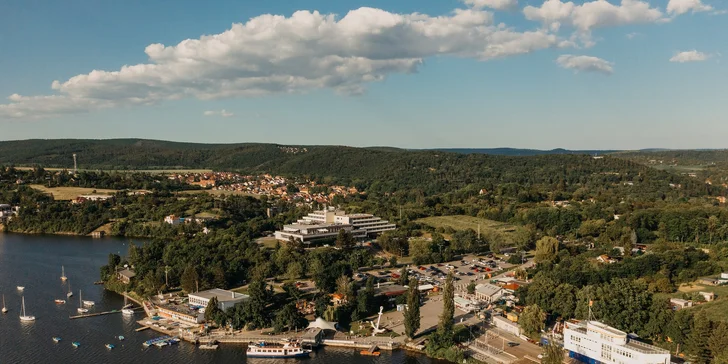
<point x="552" y="353"/>
<point x="718" y="341"/>
<point x="404" y="276"/>
<point x="189" y="279"/>
<point x="114" y="260"/>
<point x="661" y="315"/>
<point x="696" y="345"/>
<point x="532" y="321"/>
<point x="345" y="240"/>
<point x="344" y="287"/>
<point x="412" y="312"/>
<point x="445" y="326"/>
<point x="213" y="313"/>
<point x="393" y="261"/>
<point x="289" y="317"/>
<point x="547" y="249"/>
<point x="471" y="287"/>
<point x="679" y="328"/>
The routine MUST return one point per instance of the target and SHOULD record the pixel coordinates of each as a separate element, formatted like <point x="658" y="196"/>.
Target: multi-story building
<point x="225" y="299"/>
<point x="308" y="232"/>
<point x="368" y="223"/>
<point x="595" y="342"/>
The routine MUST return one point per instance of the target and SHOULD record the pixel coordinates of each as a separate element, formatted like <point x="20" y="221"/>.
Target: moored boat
<point x="5" y="308"/>
<point x="63" y="274"/>
<point x="80" y="308"/>
<point x="109" y="346"/>
<point x="76" y="344"/>
<point x="272" y="350"/>
<point x="60" y="302"/>
<point x="20" y="288"/>
<point x="56" y="339"/>
<point x="121" y="338"/>
<point x="89" y="303"/>
<point x="24" y="316"/>
<point x="70" y="293"/>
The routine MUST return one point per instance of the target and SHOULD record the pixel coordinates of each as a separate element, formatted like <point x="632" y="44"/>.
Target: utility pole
<point x="75" y="166"/>
<point x="166" y="278"/>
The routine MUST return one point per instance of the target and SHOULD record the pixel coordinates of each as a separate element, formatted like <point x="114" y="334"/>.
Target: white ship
<point x="270" y="350"/>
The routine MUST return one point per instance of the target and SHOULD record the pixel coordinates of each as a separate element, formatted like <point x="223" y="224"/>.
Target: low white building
<point x="370" y="225"/>
<point x="487" y="292"/>
<point x="590" y="341"/>
<point x="464" y="304"/>
<point x="173" y="219"/>
<point x="225" y="299"/>
<point x="307" y="232"/>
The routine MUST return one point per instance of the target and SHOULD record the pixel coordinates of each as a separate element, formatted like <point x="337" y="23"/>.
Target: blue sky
<point x="616" y="74"/>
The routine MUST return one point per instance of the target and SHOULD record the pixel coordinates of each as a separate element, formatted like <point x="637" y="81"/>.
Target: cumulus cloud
<point x="689" y="56"/>
<point x="277" y="54"/>
<point x="493" y="4"/>
<point x="222" y="113"/>
<point x="593" y="14"/>
<point x="585" y="64"/>
<point x="678" y="7"/>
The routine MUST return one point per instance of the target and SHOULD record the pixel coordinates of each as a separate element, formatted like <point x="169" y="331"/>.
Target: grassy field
<point x="716" y="310"/>
<point x="70" y="193"/>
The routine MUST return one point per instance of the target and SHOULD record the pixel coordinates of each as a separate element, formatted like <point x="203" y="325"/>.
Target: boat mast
<point x="23" y="305"/>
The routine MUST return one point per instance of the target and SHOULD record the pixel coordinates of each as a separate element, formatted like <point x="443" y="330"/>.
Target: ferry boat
<point x="268" y="350"/>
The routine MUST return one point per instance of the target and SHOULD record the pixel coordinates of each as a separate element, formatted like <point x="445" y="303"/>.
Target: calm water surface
<point x="35" y="262"/>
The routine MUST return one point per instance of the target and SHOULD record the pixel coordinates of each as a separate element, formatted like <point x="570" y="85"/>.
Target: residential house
<point x="707" y="296"/>
<point x="125" y="275"/>
<point x="679" y="303"/>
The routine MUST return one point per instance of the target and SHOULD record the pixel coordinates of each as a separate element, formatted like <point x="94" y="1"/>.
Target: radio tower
<point x="75" y="166"/>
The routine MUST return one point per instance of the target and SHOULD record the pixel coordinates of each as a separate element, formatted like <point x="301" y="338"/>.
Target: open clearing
<point x="716" y="310"/>
<point x="464" y="222"/>
<point x="70" y="193"/>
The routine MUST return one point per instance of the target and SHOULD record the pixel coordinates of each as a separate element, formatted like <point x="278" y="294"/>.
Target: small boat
<point x="121" y="338"/>
<point x="69" y="294"/>
<point x="24" y="316"/>
<point x="80" y="308"/>
<point x="20" y="288"/>
<point x="109" y="346"/>
<point x="127" y="312"/>
<point x="286" y="350"/>
<point x="63" y="274"/>
<point x="209" y="346"/>
<point x="369" y="353"/>
<point x="5" y="308"/>
<point x="56" y="339"/>
<point x="89" y="303"/>
<point x="60" y="302"/>
<point x="76" y="344"/>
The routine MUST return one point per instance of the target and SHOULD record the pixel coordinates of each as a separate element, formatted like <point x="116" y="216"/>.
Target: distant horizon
<point x="647" y="149"/>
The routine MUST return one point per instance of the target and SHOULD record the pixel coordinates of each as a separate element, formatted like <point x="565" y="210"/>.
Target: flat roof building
<point x="593" y="341"/>
<point x="225" y="299"/>
<point x="487" y="292"/>
<point x="311" y="231"/>
<point x="370" y="224"/>
<point x="180" y="312"/>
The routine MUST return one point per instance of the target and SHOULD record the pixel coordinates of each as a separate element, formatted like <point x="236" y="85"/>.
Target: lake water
<point x="35" y="261"/>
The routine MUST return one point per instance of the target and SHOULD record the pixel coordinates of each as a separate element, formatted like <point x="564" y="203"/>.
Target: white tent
<point x="322" y="324"/>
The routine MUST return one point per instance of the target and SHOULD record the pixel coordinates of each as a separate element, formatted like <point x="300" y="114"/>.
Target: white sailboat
<point x="24" y="316"/>
<point x="63" y="274"/>
<point x="80" y="308"/>
<point x="126" y="310"/>
<point x="70" y="293"/>
<point x="5" y="308"/>
<point x="20" y="288"/>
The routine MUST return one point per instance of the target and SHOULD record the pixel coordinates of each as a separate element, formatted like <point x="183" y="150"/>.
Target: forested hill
<point x="523" y="152"/>
<point x="375" y="169"/>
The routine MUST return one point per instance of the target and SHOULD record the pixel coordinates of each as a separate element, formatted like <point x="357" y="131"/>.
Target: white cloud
<point x="493" y="4"/>
<point x="277" y="54"/>
<point x="593" y="14"/>
<point x="633" y="35"/>
<point x="678" y="7"/>
<point x="689" y="56"/>
<point x="585" y="64"/>
<point x="222" y="113"/>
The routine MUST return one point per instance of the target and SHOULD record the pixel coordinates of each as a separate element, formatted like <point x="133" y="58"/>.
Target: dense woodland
<point x="567" y="210"/>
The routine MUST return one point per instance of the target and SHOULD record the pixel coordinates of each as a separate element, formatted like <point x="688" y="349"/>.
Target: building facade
<point x="225" y="299"/>
<point x="593" y="341"/>
<point x="307" y="232"/>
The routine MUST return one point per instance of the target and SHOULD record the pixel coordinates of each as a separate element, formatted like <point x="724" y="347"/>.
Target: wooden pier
<point x="94" y="314"/>
<point x="142" y="328"/>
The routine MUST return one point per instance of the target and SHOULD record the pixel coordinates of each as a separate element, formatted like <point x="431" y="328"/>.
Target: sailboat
<point x="24" y="316"/>
<point x="5" y="308"/>
<point x="69" y="294"/>
<point x="63" y="274"/>
<point x="80" y="308"/>
<point x="126" y="310"/>
<point x="20" y="288"/>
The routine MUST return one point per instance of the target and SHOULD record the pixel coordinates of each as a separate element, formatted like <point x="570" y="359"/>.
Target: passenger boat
<point x="76" y="344"/>
<point x="56" y="339"/>
<point x="109" y="346"/>
<point x="60" y="302"/>
<point x="268" y="350"/>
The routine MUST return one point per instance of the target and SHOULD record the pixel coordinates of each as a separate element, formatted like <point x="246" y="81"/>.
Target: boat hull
<point x="270" y="356"/>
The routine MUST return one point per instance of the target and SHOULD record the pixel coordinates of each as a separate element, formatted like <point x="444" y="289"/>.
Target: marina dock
<point x="94" y="314"/>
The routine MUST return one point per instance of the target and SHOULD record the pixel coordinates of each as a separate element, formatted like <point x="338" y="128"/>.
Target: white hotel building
<point x="595" y="342"/>
<point x="326" y="223"/>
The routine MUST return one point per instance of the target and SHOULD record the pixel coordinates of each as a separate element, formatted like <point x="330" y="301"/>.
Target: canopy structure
<point x="322" y="324"/>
